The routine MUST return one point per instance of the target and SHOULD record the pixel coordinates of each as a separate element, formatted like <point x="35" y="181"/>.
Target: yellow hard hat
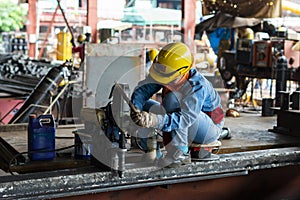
<point x="246" y="33"/>
<point x="172" y="61"/>
<point x="152" y="54"/>
<point x="249" y="34"/>
<point x="81" y="38"/>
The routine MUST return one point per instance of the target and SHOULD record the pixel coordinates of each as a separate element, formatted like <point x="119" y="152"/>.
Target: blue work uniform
<point x="193" y="112"/>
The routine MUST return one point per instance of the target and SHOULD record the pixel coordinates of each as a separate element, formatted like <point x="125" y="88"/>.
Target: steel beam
<point x="32" y="27"/>
<point x="75" y="183"/>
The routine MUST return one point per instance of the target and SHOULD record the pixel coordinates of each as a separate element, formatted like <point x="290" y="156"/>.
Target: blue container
<point x="41" y="137"/>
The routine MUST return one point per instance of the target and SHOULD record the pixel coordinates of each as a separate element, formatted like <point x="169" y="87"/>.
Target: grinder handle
<point x="125" y="97"/>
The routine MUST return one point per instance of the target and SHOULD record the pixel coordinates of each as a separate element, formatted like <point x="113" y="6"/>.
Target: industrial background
<point x="64" y="63"/>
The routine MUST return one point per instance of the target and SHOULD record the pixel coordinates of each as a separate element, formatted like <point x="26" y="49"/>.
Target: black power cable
<point x="38" y="151"/>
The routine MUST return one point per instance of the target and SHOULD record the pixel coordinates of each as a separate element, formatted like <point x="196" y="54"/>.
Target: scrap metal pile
<point x="20" y="74"/>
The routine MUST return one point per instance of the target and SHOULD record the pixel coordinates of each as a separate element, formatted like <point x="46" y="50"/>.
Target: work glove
<point x="144" y="119"/>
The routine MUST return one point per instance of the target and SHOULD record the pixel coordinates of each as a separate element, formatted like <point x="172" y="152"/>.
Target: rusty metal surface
<point x="70" y="183"/>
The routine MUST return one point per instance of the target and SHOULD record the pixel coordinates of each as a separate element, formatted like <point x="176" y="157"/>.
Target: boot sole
<point x="212" y="157"/>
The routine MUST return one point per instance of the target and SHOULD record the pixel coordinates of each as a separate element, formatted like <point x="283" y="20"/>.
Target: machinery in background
<point x="257" y="59"/>
<point x="266" y="59"/>
<point x="288" y="114"/>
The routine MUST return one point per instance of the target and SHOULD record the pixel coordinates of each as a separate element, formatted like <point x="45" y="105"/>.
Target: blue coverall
<point x="186" y="109"/>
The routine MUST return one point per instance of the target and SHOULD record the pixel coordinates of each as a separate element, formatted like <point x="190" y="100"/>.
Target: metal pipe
<point x="40" y="95"/>
<point x="27" y="108"/>
<point x="281" y="79"/>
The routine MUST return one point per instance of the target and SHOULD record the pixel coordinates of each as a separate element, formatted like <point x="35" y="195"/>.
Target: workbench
<point x="253" y="164"/>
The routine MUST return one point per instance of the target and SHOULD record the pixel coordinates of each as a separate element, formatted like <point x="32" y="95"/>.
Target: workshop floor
<point x="249" y="132"/>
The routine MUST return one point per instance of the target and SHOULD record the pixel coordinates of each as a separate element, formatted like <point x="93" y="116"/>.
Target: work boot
<point x="203" y="152"/>
<point x="225" y="134"/>
<point x="174" y="158"/>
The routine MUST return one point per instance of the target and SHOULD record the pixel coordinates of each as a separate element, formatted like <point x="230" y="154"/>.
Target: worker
<point x="153" y="53"/>
<point x="150" y="56"/>
<point x="216" y="36"/>
<point x="80" y="48"/>
<point x="190" y="109"/>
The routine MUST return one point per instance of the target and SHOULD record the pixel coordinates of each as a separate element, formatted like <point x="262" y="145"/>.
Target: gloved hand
<point x="144" y="119"/>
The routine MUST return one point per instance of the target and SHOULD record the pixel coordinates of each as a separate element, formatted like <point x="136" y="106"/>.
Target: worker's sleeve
<point x="143" y="92"/>
<point x="191" y="106"/>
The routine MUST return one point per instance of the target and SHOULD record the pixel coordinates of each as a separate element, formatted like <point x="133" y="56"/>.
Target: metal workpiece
<point x="70" y="183"/>
<point x="123" y="95"/>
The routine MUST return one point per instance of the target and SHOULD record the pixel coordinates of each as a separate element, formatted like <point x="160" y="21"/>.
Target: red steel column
<point x="188" y="9"/>
<point x="92" y="19"/>
<point x="31" y="27"/>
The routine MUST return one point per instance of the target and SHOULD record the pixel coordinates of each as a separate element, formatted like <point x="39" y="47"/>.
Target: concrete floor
<point x="250" y="131"/>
